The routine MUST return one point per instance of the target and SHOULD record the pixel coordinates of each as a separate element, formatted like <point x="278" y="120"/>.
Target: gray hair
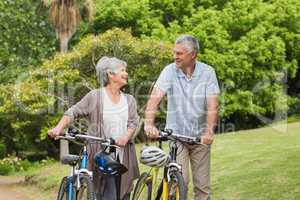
<point x="189" y="41"/>
<point x="106" y="65"/>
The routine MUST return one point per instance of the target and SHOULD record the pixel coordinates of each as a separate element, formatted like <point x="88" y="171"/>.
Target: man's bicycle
<point x="78" y="185"/>
<point x="172" y="185"/>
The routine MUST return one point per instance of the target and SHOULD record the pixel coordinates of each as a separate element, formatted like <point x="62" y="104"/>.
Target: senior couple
<point x="192" y="91"/>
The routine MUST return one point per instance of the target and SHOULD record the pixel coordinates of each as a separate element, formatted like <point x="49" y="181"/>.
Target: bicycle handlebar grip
<point x="72" y="131"/>
<point x="198" y="140"/>
<point x="169" y="131"/>
<point x="163" y="135"/>
<point x="112" y="141"/>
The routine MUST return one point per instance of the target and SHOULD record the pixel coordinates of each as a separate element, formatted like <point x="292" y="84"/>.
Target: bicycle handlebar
<point x="168" y="134"/>
<point x="83" y="138"/>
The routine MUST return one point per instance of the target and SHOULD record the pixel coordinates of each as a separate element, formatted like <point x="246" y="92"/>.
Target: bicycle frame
<point x="76" y="172"/>
<point x="79" y="170"/>
<point x="172" y="165"/>
<point x="171" y="168"/>
<point x="73" y="180"/>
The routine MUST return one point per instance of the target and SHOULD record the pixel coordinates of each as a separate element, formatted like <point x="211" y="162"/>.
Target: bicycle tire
<point x="86" y="190"/>
<point x="62" y="192"/>
<point x="143" y="187"/>
<point x="176" y="182"/>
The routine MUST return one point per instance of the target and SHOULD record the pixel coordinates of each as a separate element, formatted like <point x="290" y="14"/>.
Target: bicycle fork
<point x="154" y="182"/>
<point x="70" y="189"/>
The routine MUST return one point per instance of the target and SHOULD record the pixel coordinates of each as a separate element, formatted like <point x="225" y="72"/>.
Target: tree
<point x="26" y="40"/>
<point x="66" y="15"/>
<point x="252" y="44"/>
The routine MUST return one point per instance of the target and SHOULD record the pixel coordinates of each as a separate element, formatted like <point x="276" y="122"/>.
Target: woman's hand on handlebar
<point x="55" y="132"/>
<point x="122" y="141"/>
<point x="58" y="129"/>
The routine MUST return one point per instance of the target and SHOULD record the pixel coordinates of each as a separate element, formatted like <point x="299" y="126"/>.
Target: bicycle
<point x="78" y="185"/>
<point x="172" y="185"/>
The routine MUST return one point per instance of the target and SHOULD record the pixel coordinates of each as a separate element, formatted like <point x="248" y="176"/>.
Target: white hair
<point x="106" y="65"/>
<point x="190" y="42"/>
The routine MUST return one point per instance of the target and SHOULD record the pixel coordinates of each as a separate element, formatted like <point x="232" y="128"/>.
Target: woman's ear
<point x="110" y="73"/>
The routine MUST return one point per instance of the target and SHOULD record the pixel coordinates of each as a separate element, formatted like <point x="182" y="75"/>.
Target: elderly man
<point x="192" y="90"/>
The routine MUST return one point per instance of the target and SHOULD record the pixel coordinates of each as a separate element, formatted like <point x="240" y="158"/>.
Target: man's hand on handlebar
<point x="151" y="132"/>
<point x="207" y="139"/>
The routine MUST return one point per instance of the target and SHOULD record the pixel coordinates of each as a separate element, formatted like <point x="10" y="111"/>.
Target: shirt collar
<point x="196" y="73"/>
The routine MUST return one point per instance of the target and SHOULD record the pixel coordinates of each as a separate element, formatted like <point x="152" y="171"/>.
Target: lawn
<point x="260" y="164"/>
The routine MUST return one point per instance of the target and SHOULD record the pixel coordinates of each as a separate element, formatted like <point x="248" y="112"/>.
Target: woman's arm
<point x="132" y="123"/>
<point x="82" y="108"/>
<point x="58" y="129"/>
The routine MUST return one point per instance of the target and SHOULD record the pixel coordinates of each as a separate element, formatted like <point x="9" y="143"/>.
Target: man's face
<point x="182" y="57"/>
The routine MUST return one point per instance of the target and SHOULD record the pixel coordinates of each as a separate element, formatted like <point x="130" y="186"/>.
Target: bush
<point x="13" y="164"/>
<point x="5" y="169"/>
<point x="2" y="150"/>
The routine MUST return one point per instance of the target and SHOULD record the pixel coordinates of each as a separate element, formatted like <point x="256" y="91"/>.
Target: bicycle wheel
<point x="63" y="189"/>
<point x="86" y="191"/>
<point x="176" y="189"/>
<point x="143" y="187"/>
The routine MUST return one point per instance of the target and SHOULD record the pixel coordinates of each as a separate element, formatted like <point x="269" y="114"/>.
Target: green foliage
<point x="252" y="44"/>
<point x="2" y="150"/>
<point x="25" y="37"/>
<point x="13" y="164"/>
<point x="142" y="16"/>
<point x="60" y="82"/>
<point x="252" y="48"/>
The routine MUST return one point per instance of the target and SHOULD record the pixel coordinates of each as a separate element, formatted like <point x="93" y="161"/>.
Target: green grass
<point x="260" y="164"/>
<point x="257" y="164"/>
<point x="42" y="180"/>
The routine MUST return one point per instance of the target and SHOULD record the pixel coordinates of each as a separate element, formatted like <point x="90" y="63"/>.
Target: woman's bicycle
<point x="172" y="185"/>
<point x="78" y="185"/>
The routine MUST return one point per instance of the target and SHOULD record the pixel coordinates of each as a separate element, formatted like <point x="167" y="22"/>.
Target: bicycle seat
<point x="107" y="165"/>
<point x="70" y="159"/>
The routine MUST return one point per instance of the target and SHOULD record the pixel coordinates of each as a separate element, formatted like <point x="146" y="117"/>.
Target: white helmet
<point x="153" y="156"/>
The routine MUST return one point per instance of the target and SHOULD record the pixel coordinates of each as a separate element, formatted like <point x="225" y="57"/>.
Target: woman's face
<point x="119" y="77"/>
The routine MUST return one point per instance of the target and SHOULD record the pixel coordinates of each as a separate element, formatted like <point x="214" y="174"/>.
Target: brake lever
<point x="110" y="143"/>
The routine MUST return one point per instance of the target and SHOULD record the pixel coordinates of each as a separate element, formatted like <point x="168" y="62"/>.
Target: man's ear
<point x="194" y="54"/>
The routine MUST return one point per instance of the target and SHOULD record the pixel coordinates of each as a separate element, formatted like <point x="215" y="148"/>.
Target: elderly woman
<point x="111" y="113"/>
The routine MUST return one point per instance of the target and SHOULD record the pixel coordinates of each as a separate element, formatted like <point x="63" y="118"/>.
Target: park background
<point x="48" y="52"/>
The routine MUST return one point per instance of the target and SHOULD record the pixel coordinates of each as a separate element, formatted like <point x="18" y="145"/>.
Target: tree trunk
<point x="64" y="145"/>
<point x="9" y="145"/>
<point x="64" y="44"/>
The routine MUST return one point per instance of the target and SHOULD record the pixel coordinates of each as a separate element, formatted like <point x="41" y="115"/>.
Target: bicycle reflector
<point x="107" y="165"/>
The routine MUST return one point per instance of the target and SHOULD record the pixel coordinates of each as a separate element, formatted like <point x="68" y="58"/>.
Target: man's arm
<point x="152" y="105"/>
<point x="211" y="118"/>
